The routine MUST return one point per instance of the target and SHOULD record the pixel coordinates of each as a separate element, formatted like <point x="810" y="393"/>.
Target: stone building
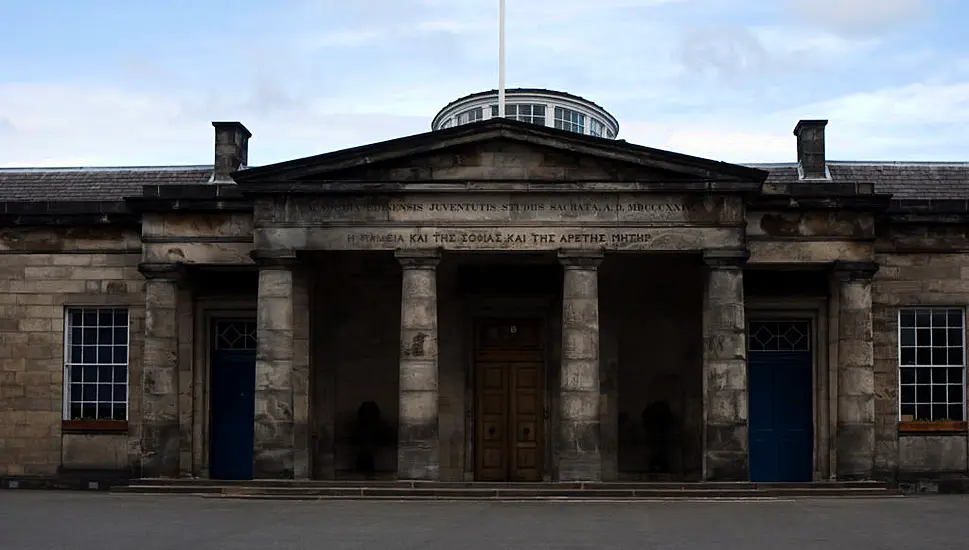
<point x="493" y="301"/>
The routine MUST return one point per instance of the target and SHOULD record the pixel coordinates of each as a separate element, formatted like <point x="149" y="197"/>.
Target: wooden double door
<point x="509" y="364"/>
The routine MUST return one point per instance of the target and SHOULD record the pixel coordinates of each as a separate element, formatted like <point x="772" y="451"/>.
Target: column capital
<point x="162" y="271"/>
<point x="273" y="258"/>
<point x="716" y="258"/>
<point x="580" y="259"/>
<point x="418" y="258"/>
<point x="854" y="271"/>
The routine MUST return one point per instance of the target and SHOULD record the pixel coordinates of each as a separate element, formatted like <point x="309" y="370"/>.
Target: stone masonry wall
<point x="907" y="280"/>
<point x="42" y="271"/>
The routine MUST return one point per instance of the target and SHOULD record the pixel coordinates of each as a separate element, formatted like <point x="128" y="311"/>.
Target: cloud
<point x="726" y="79"/>
<point x="860" y="15"/>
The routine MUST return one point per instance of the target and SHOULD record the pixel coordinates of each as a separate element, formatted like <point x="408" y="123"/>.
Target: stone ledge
<point x="94" y="426"/>
<point x="933" y="428"/>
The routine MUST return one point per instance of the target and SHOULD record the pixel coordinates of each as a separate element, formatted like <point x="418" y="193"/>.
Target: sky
<point x="114" y="83"/>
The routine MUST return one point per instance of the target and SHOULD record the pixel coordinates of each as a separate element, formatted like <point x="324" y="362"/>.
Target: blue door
<point x="781" y="423"/>
<point x="232" y="398"/>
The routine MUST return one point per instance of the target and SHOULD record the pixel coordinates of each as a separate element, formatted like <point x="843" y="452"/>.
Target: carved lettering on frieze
<point x="528" y="208"/>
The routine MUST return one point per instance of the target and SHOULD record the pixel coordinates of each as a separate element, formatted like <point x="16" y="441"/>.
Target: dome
<point x="537" y="106"/>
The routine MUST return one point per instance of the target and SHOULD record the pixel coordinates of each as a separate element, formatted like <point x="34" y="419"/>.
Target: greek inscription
<point x="508" y="239"/>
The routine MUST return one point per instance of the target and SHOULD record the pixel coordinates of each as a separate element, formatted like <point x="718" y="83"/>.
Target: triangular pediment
<point x="500" y="150"/>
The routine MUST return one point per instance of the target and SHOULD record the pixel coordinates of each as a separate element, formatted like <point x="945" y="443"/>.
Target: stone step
<point x="505" y="493"/>
<point x="145" y="482"/>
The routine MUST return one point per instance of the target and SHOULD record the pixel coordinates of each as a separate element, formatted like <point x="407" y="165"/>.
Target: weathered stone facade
<point x="633" y="289"/>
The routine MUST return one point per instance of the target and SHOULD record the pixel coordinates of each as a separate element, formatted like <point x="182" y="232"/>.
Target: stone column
<point x="160" y="441"/>
<point x="273" y="441"/>
<point x="578" y="451"/>
<point x="856" y="371"/>
<point x="725" y="368"/>
<point x="417" y="437"/>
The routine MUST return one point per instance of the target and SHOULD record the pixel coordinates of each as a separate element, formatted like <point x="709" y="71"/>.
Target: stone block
<point x="579" y="375"/>
<point x="726" y="374"/>
<point x="856" y="409"/>
<point x="934" y="453"/>
<point x="418" y="344"/>
<point x="419" y="284"/>
<point x="418" y="407"/>
<point x="725" y="346"/>
<point x="725" y="288"/>
<point x="858" y="381"/>
<point x="98" y="452"/>
<point x="275" y="346"/>
<point x="855" y="354"/>
<point x="580" y="343"/>
<point x="579" y="406"/>
<point x="419" y="314"/>
<point x="33" y="324"/>
<point x="275" y="313"/>
<point x="418" y="376"/>
<point x="726" y="407"/>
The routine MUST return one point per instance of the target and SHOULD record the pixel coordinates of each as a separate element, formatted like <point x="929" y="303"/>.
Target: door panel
<point x="492" y="421"/>
<point x="232" y="392"/>
<point x="781" y="416"/>
<point x="510" y="388"/>
<point x="527" y="418"/>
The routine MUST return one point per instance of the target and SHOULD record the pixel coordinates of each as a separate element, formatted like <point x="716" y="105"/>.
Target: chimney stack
<point x="231" y="150"/>
<point x="810" y="149"/>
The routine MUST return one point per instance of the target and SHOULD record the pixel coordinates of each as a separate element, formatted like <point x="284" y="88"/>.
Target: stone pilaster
<point x="417" y="436"/>
<point x="160" y="440"/>
<point x="273" y="441"/>
<point x="725" y="367"/>
<point x="856" y="371"/>
<point x="578" y="446"/>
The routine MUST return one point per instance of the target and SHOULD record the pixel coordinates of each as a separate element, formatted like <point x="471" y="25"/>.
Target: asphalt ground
<point x="35" y="520"/>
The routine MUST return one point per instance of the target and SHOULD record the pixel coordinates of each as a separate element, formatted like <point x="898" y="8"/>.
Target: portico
<point x="515" y="209"/>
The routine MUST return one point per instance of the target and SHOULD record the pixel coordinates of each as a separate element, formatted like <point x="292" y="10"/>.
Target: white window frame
<point x="569" y="120"/>
<point x="71" y="363"/>
<point x="596" y="127"/>
<point x="468" y="116"/>
<point x="910" y="357"/>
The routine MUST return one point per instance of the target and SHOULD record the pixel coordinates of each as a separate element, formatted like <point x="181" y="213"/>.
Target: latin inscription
<point x="487" y="207"/>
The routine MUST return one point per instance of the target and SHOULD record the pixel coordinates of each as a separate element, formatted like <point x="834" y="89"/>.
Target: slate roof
<point x="92" y="184"/>
<point x="905" y="180"/>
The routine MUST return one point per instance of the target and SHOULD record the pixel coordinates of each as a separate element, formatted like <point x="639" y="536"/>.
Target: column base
<point x="160" y="444"/>
<point x="726" y="455"/>
<point x="856" y="451"/>
<point x="586" y="466"/>
<point x="418" y="452"/>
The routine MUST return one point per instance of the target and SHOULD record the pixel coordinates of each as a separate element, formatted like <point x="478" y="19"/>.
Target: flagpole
<point x="501" y="58"/>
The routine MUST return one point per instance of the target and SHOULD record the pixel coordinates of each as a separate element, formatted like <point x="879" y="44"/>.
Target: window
<point x="471" y="115"/>
<point x="932" y="364"/>
<point x="446" y="124"/>
<point x="96" y="365"/>
<point x="525" y="112"/>
<point x="609" y="134"/>
<point x="596" y="128"/>
<point x="567" y="119"/>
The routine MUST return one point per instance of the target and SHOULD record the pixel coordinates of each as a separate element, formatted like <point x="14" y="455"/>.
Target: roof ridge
<point x="160" y="168"/>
